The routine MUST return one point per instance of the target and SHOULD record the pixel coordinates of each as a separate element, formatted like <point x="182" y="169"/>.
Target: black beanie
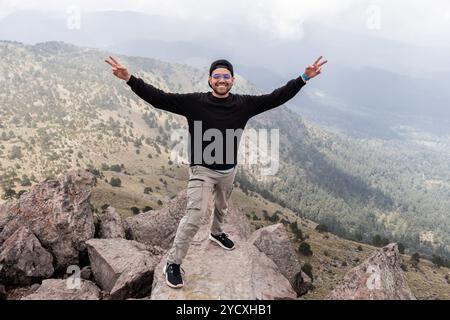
<point x="222" y="63"/>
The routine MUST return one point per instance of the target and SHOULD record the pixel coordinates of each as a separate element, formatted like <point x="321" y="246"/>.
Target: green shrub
<point x="115" y="182"/>
<point x="415" y="259"/>
<point x="116" y="168"/>
<point x="322" y="228"/>
<point x="147" y="208"/>
<point x="305" y="249"/>
<point x="147" y="190"/>
<point x="15" y="153"/>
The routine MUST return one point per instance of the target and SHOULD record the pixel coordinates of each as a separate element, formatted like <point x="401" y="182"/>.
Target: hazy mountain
<point x="371" y="102"/>
<point x="197" y="55"/>
<point x="372" y="87"/>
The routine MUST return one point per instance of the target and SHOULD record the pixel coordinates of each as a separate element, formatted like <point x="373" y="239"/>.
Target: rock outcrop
<point x="214" y="273"/>
<point x="111" y="225"/>
<point x="57" y="212"/>
<point x="274" y="242"/>
<point x="124" y="268"/>
<point x="158" y="227"/>
<point x="23" y="260"/>
<point x="64" y="289"/>
<point x="52" y="225"/>
<point x="380" y="277"/>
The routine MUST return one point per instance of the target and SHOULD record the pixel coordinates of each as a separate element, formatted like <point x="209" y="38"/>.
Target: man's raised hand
<point x="117" y="69"/>
<point x="315" y="68"/>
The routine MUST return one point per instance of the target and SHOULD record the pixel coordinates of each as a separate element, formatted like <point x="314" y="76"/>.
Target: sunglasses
<point x="217" y="76"/>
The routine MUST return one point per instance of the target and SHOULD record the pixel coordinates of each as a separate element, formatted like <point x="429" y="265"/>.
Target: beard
<point x="221" y="90"/>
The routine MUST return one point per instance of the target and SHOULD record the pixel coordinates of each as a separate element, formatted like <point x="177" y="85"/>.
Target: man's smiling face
<point x="221" y="81"/>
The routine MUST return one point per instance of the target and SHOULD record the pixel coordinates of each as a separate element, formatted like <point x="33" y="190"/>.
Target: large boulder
<point x="157" y="227"/>
<point x="379" y="277"/>
<point x="23" y="260"/>
<point x="124" y="268"/>
<point x="274" y="242"/>
<point x="111" y="225"/>
<point x="65" y="289"/>
<point x="214" y="273"/>
<point x="59" y="214"/>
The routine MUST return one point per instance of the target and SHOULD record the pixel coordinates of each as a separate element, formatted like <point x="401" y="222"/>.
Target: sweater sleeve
<point x="262" y="103"/>
<point x="173" y="102"/>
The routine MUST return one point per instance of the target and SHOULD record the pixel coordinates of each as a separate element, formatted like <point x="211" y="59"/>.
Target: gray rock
<point x="274" y="242"/>
<point x="58" y="212"/>
<point x="86" y="273"/>
<point x="214" y="273"/>
<point x="60" y="289"/>
<point x="379" y="277"/>
<point x="34" y="287"/>
<point x="124" y="268"/>
<point x="111" y="225"/>
<point x="157" y="227"/>
<point x="3" y="294"/>
<point x="16" y="293"/>
<point x="23" y="260"/>
<point x="211" y="272"/>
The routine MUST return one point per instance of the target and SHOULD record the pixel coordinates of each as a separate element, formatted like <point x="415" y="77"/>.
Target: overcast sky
<point x="408" y="37"/>
<point x="413" y="21"/>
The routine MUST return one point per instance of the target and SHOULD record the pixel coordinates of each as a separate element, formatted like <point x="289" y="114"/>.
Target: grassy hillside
<point x="333" y="256"/>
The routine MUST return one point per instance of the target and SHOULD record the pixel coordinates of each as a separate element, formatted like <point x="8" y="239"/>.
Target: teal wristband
<point x="305" y="77"/>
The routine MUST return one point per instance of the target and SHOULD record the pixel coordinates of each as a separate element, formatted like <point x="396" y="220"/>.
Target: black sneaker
<point x="173" y="275"/>
<point x="222" y="240"/>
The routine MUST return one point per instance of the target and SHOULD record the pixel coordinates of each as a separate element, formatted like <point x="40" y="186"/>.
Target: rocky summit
<point x="52" y="226"/>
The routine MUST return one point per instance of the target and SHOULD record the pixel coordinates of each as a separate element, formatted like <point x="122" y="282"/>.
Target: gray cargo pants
<point x="203" y="183"/>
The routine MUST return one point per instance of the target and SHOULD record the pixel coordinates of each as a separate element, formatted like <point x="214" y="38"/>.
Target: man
<point x="218" y="111"/>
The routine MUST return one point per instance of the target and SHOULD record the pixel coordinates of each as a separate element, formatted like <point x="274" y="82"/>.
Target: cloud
<point x="413" y="21"/>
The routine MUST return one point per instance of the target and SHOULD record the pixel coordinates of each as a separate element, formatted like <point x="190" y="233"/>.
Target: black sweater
<point x="232" y="112"/>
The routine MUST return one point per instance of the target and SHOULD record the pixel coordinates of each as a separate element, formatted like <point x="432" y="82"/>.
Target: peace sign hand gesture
<point x="315" y="69"/>
<point x="118" y="70"/>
